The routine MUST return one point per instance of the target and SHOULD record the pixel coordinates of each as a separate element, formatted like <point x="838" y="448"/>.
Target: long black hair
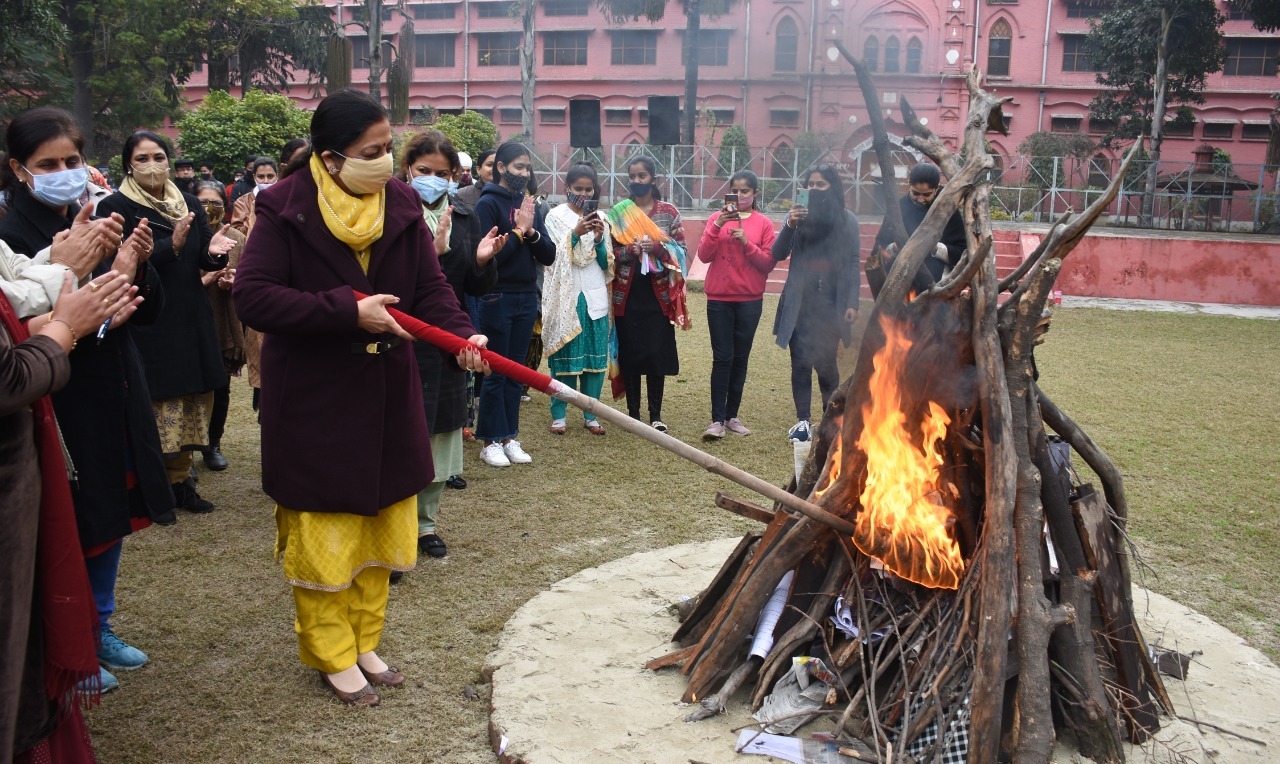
<point x="27" y="132"/>
<point x="339" y="120"/>
<point x="752" y="180"/>
<point x="506" y="154"/>
<point x="833" y="211"/>
<point x="651" y="166"/>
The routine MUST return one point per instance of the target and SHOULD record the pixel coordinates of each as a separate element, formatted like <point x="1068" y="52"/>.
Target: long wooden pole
<point x="454" y="345"/>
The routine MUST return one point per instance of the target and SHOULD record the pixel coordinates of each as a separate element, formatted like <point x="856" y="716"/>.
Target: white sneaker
<point x="515" y="453"/>
<point x="494" y="455"/>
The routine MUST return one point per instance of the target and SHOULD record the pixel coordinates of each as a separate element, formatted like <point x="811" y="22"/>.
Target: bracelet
<point x="537" y="237"/>
<point x="519" y="238"/>
<point x="51" y="320"/>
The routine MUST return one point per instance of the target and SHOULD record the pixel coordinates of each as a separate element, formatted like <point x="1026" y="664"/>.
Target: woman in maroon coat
<point x="345" y="449"/>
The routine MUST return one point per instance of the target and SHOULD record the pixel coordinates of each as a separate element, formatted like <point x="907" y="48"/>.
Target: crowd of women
<point x="122" y="329"/>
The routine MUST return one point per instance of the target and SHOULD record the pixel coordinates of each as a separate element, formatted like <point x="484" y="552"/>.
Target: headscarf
<point x="354" y="220"/>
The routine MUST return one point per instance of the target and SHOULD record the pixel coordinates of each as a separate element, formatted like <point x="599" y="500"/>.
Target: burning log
<point x="973" y="570"/>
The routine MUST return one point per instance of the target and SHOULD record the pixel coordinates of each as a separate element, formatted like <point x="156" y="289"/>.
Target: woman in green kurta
<point x="575" y="295"/>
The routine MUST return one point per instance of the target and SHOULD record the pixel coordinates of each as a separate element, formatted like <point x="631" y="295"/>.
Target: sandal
<point x="558" y="427"/>
<point x="365" y="696"/>
<point x="594" y="427"/>
<point x="468" y="436"/>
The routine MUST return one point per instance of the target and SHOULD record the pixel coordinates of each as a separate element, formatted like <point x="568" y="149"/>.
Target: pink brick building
<point x="770" y="67"/>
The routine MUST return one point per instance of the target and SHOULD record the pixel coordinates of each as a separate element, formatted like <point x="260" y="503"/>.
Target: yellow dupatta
<point x="354" y="220"/>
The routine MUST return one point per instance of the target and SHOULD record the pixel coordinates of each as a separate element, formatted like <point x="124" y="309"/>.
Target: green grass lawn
<point x="1186" y="405"/>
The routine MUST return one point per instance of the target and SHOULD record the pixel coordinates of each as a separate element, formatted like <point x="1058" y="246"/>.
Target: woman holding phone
<point x="575" y="295"/>
<point x="736" y="245"/>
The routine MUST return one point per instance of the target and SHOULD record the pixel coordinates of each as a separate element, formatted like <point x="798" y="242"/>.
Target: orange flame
<point x="832" y="473"/>
<point x="904" y="521"/>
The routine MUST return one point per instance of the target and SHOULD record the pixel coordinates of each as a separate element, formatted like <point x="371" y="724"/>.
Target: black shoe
<point x="214" y="460"/>
<point x="432" y="545"/>
<point x="185" y="497"/>
<point x="396" y="575"/>
<point x="456" y="482"/>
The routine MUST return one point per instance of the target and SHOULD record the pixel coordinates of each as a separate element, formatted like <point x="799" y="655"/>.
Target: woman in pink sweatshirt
<point x="736" y="245"/>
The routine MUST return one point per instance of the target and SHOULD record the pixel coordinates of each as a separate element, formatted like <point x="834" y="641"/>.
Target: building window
<point x="1075" y="54"/>
<point x="360" y="52"/>
<point x="564" y="48"/>
<point x="643" y="115"/>
<point x="891" y="55"/>
<point x="617" y="117"/>
<point x="494" y="10"/>
<point x="723" y="116"/>
<point x="1064" y="124"/>
<point x="1252" y="57"/>
<point x="1219" y="130"/>
<point x="871" y="54"/>
<point x="435" y="11"/>
<point x="713" y="47"/>
<point x="635" y="47"/>
<point x="498" y="48"/>
<point x="1084" y="9"/>
<point x="915" y="51"/>
<point x="510" y="116"/>
<point x="1235" y="14"/>
<point x="1180" y="128"/>
<point x="551" y="116"/>
<point x="449" y="112"/>
<point x="786" y="39"/>
<point x="1255" y="132"/>
<point x="1101" y="126"/>
<point x="1099" y="171"/>
<point x="565" y="7"/>
<point x="433" y="50"/>
<point x="784" y="118"/>
<point x="999" y="49"/>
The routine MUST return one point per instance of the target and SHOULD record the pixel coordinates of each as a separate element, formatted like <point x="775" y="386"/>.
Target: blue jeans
<point x="103" y="570"/>
<point x="507" y="319"/>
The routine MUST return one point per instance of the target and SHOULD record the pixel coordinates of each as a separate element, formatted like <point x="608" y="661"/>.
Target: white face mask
<point x="60" y="188"/>
<point x="262" y="187"/>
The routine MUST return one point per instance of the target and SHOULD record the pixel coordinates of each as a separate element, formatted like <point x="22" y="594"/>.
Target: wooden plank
<point x="744" y="508"/>
<point x="693" y="624"/>
<point x="671" y="659"/>
<point x="1093" y="518"/>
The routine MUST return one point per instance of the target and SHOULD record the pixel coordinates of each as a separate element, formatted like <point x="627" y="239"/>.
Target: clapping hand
<point x="221" y="244"/>
<point x="524" y="216"/>
<point x="180" y="231"/>
<point x="490" y="245"/>
<point x="88" y="242"/>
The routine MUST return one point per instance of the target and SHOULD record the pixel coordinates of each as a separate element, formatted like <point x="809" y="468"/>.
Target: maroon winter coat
<point x="342" y="430"/>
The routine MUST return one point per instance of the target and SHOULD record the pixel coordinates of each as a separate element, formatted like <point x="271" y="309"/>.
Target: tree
<point x="469" y="131"/>
<point x="264" y="43"/>
<point x="224" y="130"/>
<point x="1144" y="74"/>
<point x="618" y="11"/>
<point x="1048" y="153"/>
<point x="30" y="41"/>
<point x="1265" y="13"/>
<point x="735" y="151"/>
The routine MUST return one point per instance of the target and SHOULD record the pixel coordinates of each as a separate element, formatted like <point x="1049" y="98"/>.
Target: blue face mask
<point x="453" y="188"/>
<point x="431" y="188"/>
<point x="60" y="188"/>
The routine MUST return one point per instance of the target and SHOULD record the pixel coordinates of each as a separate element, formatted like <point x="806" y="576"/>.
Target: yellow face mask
<point x="366" y="176"/>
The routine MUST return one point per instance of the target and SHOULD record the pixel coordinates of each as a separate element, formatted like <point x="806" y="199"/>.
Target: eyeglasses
<point x="212" y="206"/>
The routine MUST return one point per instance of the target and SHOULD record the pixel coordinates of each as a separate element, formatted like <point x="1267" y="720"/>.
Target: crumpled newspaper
<point x="844" y="621"/>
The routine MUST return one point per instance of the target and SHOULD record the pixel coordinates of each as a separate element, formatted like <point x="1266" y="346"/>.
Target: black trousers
<point x="655" y="384"/>
<point x="813" y="348"/>
<point x="733" y="330"/>
<point x="218" y="416"/>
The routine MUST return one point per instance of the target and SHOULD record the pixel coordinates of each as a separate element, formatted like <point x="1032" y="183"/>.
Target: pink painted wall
<point x="1108" y="264"/>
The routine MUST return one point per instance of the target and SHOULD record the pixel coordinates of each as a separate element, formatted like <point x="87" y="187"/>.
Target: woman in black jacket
<point x="180" y="350"/>
<point x="431" y="166"/>
<point x="507" y="313"/>
<point x="104" y="411"/>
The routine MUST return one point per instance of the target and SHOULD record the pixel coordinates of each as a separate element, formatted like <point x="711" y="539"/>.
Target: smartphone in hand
<point x="590" y="207"/>
<point x="802" y="198"/>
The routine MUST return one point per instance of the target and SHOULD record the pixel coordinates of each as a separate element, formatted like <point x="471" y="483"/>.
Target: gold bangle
<point x="51" y="320"/>
<point x="519" y="238"/>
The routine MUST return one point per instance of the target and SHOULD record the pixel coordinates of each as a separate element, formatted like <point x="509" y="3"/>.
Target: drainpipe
<point x="1040" y="114"/>
<point x="977" y="28"/>
<point x="813" y="42"/>
<point x="746" y="64"/>
<point x="1044" y="56"/>
<point x="466" y="52"/>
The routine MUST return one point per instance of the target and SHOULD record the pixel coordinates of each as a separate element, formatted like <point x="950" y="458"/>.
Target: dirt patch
<point x="569" y="683"/>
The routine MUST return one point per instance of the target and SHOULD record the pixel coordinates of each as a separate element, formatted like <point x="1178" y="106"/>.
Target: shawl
<point x="560" y="322"/>
<point x="230" y="330"/>
<point x="353" y="220"/>
<point x="173" y="207"/>
<point x="62" y="583"/>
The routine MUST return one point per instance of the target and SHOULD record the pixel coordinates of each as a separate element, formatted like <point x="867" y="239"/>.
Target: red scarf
<point x="66" y="601"/>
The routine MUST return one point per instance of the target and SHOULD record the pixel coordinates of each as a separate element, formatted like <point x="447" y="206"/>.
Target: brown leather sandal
<point x="389" y="678"/>
<point x="594" y="427"/>
<point x="365" y="696"/>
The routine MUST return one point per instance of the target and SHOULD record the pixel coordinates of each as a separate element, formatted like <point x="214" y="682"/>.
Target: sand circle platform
<point x="570" y="687"/>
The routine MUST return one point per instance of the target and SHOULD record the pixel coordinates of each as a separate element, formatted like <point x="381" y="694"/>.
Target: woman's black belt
<point x="375" y="348"/>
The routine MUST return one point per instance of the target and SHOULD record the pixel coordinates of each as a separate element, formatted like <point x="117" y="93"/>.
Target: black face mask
<point x="206" y="175"/>
<point x="515" y="181"/>
<point x="640" y="189"/>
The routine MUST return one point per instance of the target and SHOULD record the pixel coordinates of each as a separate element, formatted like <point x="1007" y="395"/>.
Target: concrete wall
<point x="1185" y="268"/>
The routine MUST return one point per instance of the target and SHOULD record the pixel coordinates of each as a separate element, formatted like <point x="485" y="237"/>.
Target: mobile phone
<point x="802" y="198"/>
<point x="590" y="207"/>
<point x="731" y="199"/>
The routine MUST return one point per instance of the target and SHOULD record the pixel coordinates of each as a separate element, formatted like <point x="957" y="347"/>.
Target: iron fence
<point x="1190" y="196"/>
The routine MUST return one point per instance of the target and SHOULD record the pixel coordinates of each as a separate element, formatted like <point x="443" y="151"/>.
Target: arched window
<point x="915" y="50"/>
<point x="783" y="161"/>
<point x="999" y="49"/>
<point x="891" y="55"/>
<point x="871" y="53"/>
<point x="786" y="39"/>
